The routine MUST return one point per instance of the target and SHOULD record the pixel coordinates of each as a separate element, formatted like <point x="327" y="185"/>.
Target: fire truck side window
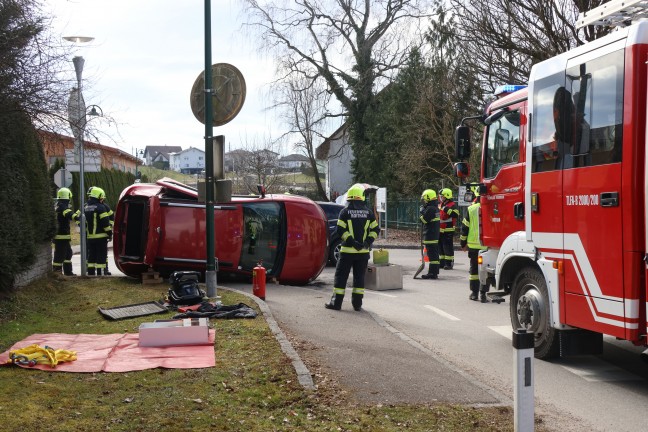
<point x="547" y="107"/>
<point x="503" y="143"/>
<point x="597" y="95"/>
<point x="578" y="116"/>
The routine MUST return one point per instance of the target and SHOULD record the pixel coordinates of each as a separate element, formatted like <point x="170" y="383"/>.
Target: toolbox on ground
<point x="384" y="277"/>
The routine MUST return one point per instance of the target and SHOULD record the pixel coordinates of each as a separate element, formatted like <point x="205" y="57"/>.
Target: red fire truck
<point x="563" y="184"/>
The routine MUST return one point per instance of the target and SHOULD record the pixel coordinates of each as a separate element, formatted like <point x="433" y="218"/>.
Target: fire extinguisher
<point x="259" y="281"/>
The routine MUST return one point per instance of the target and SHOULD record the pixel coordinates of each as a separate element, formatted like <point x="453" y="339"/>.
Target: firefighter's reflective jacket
<point x="449" y="215"/>
<point x="429" y="216"/>
<point x="470" y="228"/>
<point x="357" y="227"/>
<point x="97" y="217"/>
<point x="64" y="215"/>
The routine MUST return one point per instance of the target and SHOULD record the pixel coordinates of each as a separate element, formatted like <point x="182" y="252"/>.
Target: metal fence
<point x="403" y="214"/>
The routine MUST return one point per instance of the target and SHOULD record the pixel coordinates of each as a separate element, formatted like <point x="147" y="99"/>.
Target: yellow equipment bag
<point x="381" y="257"/>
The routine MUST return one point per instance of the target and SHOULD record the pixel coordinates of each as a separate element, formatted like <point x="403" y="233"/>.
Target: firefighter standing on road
<point x="111" y="217"/>
<point x="448" y="215"/>
<point x="470" y="241"/>
<point x="429" y="216"/>
<point x="98" y="230"/>
<point x="62" y="248"/>
<point x="357" y="227"/>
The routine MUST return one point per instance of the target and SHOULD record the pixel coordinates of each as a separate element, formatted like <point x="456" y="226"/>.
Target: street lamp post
<point x="77" y="119"/>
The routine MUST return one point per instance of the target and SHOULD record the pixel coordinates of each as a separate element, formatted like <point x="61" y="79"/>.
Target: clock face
<point x="228" y="86"/>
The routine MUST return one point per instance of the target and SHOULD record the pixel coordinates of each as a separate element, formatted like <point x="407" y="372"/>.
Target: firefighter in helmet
<point x="470" y="241"/>
<point x="62" y="248"/>
<point x="357" y="227"/>
<point x="429" y="216"/>
<point x="448" y="218"/>
<point x="111" y="217"/>
<point x="98" y="231"/>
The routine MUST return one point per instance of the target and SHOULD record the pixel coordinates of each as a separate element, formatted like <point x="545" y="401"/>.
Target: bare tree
<point x="505" y="38"/>
<point x="32" y="62"/>
<point x="303" y="105"/>
<point x="257" y="164"/>
<point x="350" y="44"/>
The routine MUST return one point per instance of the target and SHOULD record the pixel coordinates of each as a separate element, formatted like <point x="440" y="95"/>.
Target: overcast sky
<point x="144" y="60"/>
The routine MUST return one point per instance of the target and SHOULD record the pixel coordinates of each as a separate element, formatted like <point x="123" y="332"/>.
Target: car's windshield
<point x="261" y="235"/>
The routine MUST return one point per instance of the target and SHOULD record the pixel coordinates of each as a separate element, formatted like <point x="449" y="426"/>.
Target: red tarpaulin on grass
<point x="117" y="353"/>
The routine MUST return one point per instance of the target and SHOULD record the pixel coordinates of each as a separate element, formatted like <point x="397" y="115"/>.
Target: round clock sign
<point x="228" y="87"/>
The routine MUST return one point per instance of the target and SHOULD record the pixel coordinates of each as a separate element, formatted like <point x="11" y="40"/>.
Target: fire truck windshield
<point x="503" y="146"/>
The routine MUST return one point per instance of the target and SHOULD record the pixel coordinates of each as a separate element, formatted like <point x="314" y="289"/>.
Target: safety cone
<point x="425" y="255"/>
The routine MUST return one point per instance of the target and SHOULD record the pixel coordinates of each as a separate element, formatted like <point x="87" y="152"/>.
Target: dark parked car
<point x="332" y="211"/>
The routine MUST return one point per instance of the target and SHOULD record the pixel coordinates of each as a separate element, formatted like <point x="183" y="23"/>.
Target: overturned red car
<point x="161" y="226"/>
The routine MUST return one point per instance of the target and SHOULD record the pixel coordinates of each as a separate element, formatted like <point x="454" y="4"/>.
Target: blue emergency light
<point x="508" y="88"/>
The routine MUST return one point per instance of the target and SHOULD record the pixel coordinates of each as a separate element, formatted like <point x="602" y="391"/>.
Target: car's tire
<point x="334" y="252"/>
<point x="530" y="310"/>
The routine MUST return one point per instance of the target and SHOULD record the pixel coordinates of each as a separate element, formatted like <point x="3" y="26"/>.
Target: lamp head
<point x="78" y="39"/>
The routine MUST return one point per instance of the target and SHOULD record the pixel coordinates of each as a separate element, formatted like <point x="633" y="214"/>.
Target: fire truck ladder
<point x="615" y="13"/>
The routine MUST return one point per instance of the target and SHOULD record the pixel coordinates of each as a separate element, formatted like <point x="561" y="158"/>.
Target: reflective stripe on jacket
<point x="470" y="228"/>
<point x="429" y="216"/>
<point x="97" y="219"/>
<point x="64" y="215"/>
<point x="449" y="215"/>
<point x="356" y="223"/>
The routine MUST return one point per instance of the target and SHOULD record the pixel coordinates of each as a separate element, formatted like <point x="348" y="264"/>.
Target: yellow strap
<point x="35" y="354"/>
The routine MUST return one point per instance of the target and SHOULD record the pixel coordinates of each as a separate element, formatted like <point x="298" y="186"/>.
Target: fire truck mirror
<point x="462" y="142"/>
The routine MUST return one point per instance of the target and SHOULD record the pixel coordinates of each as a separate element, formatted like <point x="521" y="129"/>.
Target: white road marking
<point x="442" y="313"/>
<point x="596" y="370"/>
<point x="381" y="294"/>
<point x="588" y="368"/>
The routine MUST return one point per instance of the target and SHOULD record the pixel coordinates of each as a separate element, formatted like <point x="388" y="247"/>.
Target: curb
<point x="303" y="374"/>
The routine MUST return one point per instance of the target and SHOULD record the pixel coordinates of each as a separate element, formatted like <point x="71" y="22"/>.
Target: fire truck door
<point x="503" y="176"/>
<point x="592" y="217"/>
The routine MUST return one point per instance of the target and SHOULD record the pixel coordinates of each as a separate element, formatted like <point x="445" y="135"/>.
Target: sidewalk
<point x="377" y="362"/>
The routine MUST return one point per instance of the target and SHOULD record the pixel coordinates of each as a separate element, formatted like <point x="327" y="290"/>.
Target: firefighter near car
<point x="358" y="228"/>
<point x="259" y="281"/>
<point x="563" y="191"/>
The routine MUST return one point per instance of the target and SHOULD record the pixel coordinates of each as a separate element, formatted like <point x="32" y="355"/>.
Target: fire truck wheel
<point x="530" y="310"/>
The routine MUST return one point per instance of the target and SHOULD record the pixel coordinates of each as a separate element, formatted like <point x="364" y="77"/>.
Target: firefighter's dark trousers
<point x="433" y="256"/>
<point x="446" y="246"/>
<point x="358" y="262"/>
<point x="62" y="257"/>
<point x="473" y="272"/>
<point x="97" y="255"/>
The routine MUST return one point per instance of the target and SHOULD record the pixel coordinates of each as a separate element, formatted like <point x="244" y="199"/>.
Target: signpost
<point x="63" y="178"/>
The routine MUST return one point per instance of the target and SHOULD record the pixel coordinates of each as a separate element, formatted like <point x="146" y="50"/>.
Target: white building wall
<point x="190" y="159"/>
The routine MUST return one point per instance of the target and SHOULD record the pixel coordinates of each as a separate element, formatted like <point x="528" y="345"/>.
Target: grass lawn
<point x="252" y="388"/>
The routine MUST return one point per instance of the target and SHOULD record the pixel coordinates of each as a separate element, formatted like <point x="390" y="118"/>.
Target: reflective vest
<point x="470" y="228"/>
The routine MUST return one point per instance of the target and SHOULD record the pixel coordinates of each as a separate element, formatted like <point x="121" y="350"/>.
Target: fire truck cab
<point x="563" y="183"/>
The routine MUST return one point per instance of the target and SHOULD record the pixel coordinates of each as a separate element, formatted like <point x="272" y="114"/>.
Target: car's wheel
<point x="530" y="310"/>
<point x="334" y="252"/>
